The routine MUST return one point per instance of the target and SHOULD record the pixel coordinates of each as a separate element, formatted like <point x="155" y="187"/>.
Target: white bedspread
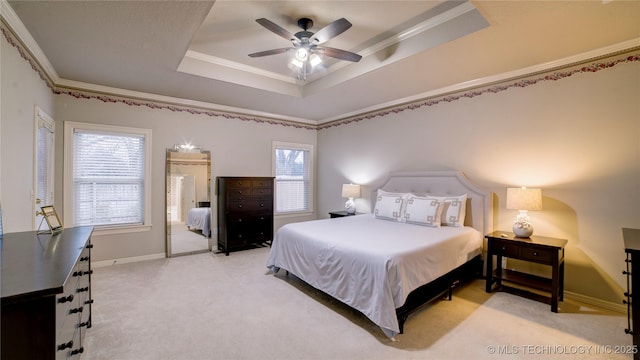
<point x="199" y="218"/>
<point x="371" y="264"/>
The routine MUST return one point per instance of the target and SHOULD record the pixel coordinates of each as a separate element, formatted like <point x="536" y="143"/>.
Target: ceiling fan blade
<point x="276" y="29"/>
<point x="340" y="54"/>
<point x="271" y="52"/>
<point x="334" y="29"/>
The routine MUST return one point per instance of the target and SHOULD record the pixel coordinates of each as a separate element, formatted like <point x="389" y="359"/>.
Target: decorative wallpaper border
<point x="493" y="89"/>
<point x="596" y="65"/>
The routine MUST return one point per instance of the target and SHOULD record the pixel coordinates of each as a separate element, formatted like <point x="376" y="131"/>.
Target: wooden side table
<point x="337" y="214"/>
<point x="537" y="249"/>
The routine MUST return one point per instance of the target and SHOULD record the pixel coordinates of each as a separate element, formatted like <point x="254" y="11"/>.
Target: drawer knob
<point x="239" y="220"/>
<point x="89" y="302"/>
<point x="84" y="258"/>
<point x="90" y="246"/>
<point x="82" y="289"/>
<point x="77" y="351"/>
<point x="86" y="323"/>
<point x="239" y="205"/>
<point x="504" y="248"/>
<point x="75" y="310"/>
<point x="88" y="272"/>
<point x="65" y="299"/>
<point x="77" y="273"/>
<point x="261" y="205"/>
<point x="535" y="253"/>
<point x="65" y="345"/>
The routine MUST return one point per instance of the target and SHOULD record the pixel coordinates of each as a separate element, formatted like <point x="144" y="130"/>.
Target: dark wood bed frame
<point x="437" y="288"/>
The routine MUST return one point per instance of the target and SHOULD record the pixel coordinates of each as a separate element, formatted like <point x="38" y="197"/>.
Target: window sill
<point x="294" y="214"/>
<point x="100" y="231"/>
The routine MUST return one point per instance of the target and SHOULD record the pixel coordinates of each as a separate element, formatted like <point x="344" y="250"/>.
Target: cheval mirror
<point x="188" y="201"/>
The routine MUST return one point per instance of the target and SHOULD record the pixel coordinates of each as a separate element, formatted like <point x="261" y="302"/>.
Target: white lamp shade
<point x="524" y="199"/>
<point x="350" y="191"/>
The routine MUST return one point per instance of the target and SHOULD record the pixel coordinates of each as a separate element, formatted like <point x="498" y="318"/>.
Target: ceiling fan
<point x="306" y="44"/>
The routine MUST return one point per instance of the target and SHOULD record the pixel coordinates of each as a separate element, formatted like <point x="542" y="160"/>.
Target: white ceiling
<point x="197" y="50"/>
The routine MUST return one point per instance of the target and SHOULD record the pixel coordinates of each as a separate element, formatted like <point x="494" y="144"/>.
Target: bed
<point x="388" y="263"/>
<point x="200" y="219"/>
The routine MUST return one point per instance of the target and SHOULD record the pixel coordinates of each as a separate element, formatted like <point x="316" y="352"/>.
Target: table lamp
<point x="350" y="191"/>
<point x="523" y="199"/>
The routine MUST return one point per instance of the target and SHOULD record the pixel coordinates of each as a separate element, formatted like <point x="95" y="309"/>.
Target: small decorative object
<point x="523" y="200"/>
<point x="50" y="215"/>
<point x="350" y="191"/>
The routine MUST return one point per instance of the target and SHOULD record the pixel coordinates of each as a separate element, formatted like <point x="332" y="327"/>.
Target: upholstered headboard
<point x="479" y="210"/>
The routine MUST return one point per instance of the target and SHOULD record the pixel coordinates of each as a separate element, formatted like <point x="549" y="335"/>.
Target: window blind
<point x="292" y="179"/>
<point x="108" y="177"/>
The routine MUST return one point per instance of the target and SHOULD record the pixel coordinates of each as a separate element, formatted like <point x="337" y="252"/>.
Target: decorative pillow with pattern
<point x="389" y="206"/>
<point x="453" y="210"/>
<point x="424" y="211"/>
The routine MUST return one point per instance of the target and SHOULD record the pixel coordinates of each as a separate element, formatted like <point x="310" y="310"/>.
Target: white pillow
<point x="423" y="211"/>
<point x="389" y="206"/>
<point x="453" y="210"/>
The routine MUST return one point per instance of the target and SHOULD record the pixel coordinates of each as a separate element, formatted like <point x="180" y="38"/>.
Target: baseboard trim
<point x="105" y="263"/>
<point x="596" y="302"/>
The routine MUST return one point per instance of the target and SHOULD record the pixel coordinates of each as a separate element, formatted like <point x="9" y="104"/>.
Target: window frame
<point x="310" y="191"/>
<point x="68" y="206"/>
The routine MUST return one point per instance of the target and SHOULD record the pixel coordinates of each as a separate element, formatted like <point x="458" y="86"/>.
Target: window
<point x="107" y="176"/>
<point x="292" y="166"/>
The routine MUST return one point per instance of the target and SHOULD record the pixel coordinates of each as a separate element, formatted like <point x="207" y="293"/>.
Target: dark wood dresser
<point x="245" y="212"/>
<point x="632" y="248"/>
<point x="46" y="293"/>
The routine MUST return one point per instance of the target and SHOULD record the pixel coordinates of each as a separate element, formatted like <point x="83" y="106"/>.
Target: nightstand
<point x="337" y="214"/>
<point x="537" y="249"/>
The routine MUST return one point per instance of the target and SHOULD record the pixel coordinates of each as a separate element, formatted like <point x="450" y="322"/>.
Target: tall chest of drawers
<point x="46" y="294"/>
<point x="245" y="212"/>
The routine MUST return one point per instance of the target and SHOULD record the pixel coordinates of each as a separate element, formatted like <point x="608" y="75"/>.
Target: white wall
<point x="238" y="148"/>
<point x="22" y="89"/>
<point x="577" y="138"/>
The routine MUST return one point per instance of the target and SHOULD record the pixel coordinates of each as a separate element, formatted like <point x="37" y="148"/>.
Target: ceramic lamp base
<point x="523" y="231"/>
<point x="350" y="206"/>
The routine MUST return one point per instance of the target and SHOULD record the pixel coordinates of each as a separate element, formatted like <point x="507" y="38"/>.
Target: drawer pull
<point x="535" y="253"/>
<point x="88" y="272"/>
<point x="75" y="310"/>
<point x="261" y="205"/>
<point x="239" y="220"/>
<point x="89" y="302"/>
<point x="79" y="290"/>
<point x="240" y="205"/>
<point x="77" y="351"/>
<point x="504" y="248"/>
<point x="65" y="299"/>
<point x="86" y="323"/>
<point x="85" y="258"/>
<point x="65" y="345"/>
<point x="77" y="273"/>
<point x="90" y="246"/>
<point x="626" y="272"/>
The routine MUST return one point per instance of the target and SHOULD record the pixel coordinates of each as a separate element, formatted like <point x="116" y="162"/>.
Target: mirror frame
<point x="171" y="155"/>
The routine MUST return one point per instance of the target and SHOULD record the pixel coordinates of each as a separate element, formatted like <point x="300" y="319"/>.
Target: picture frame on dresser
<point x="50" y="216"/>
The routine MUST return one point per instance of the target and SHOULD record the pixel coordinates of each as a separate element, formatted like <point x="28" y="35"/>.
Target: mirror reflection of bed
<point x="188" y="207"/>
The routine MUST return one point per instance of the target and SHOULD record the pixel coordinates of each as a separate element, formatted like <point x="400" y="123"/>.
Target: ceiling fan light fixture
<point x="302" y="54"/>
<point x="315" y="60"/>
<point x="297" y="63"/>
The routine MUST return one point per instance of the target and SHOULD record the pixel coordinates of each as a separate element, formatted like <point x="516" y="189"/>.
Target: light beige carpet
<point x="210" y="306"/>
